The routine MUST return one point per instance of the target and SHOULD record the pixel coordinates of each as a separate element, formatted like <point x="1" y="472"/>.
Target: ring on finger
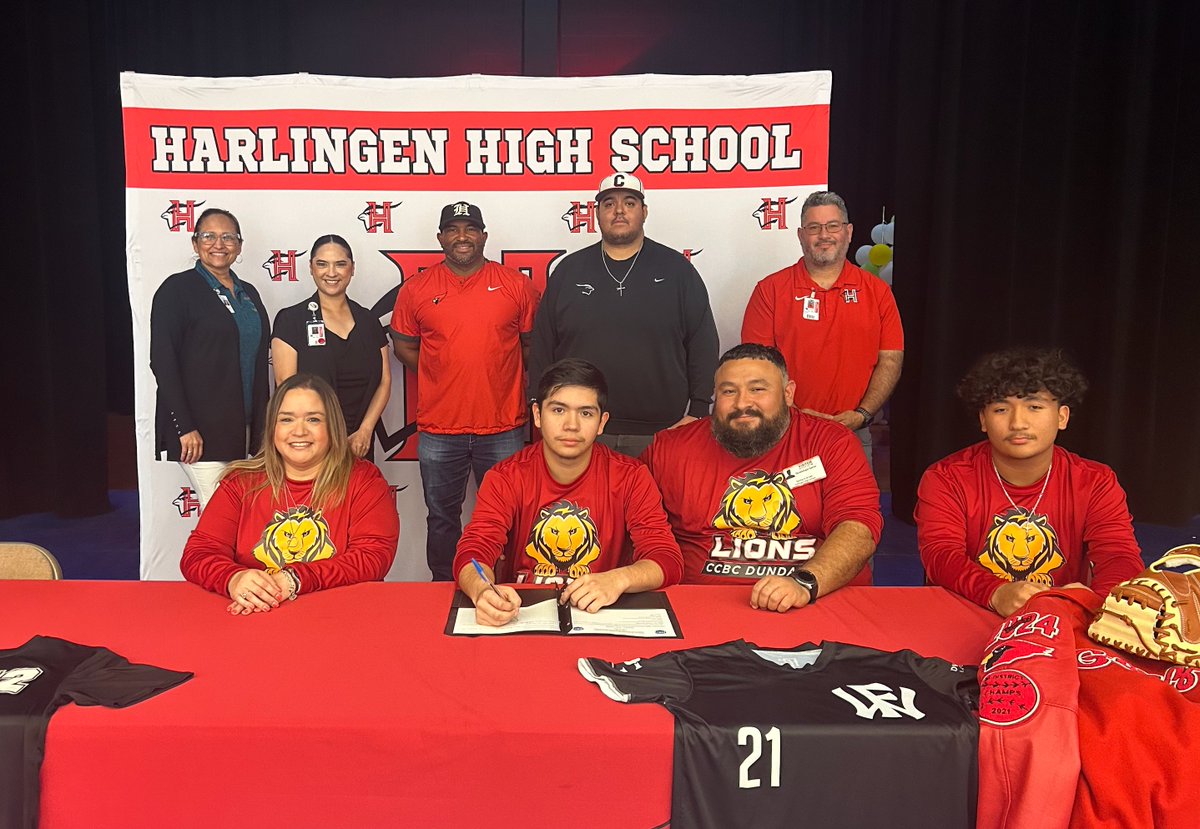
<point x="244" y="595"/>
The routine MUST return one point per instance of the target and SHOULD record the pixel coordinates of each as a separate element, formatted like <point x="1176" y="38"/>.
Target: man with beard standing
<point x="763" y="492"/>
<point x="835" y="319"/>
<point x="462" y="326"/>
<point x="639" y="312"/>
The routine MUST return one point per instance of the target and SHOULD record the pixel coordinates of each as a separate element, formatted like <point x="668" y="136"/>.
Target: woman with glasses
<point x="340" y="341"/>
<point x="209" y="335"/>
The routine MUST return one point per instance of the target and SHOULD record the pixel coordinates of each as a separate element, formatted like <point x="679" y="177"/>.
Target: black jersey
<point x="826" y="735"/>
<point x="35" y="680"/>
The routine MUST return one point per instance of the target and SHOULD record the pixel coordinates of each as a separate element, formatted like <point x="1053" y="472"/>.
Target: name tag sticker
<point x="805" y="472"/>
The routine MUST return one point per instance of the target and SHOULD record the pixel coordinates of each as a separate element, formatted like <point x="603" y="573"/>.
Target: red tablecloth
<point x="352" y="708"/>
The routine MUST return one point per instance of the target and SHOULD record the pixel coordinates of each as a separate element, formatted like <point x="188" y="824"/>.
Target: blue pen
<point x="487" y="581"/>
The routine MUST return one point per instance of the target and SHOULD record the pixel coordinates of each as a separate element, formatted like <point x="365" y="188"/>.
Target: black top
<point x="352" y="365"/>
<point x="37" y="679"/>
<point x="194" y="353"/>
<point x="652" y="334"/>
<point x="821" y="735"/>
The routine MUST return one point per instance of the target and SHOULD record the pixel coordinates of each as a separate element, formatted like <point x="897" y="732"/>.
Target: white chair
<point x="20" y="560"/>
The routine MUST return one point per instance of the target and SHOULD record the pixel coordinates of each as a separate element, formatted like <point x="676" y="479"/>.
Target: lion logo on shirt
<point x="295" y="536"/>
<point x="1022" y="546"/>
<point x="563" y="540"/>
<point x="758" y="502"/>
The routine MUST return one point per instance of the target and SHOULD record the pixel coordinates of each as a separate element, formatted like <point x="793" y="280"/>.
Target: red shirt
<point x="243" y="528"/>
<point x="470" y="375"/>
<point x="523" y="518"/>
<point x="830" y="358"/>
<point x="739" y="519"/>
<point x="1081" y="531"/>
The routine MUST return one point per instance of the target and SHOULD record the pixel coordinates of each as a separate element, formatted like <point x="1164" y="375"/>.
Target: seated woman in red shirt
<point x="303" y="514"/>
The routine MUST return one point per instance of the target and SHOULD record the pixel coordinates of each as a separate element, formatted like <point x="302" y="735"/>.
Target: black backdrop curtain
<point x="1039" y="156"/>
<point x="1047" y="190"/>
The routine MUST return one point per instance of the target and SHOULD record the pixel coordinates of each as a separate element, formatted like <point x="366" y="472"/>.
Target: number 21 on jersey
<point x="748" y="734"/>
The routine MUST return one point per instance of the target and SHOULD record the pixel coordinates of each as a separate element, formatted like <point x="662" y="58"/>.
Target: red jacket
<point x="1074" y="734"/>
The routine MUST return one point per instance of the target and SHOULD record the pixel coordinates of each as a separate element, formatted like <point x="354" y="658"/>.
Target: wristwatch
<point x="808" y="581"/>
<point x="867" y="416"/>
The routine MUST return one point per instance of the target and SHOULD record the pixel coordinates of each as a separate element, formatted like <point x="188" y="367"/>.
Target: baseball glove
<point x="1157" y="613"/>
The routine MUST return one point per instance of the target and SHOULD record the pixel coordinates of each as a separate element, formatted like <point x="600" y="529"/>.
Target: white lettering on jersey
<point x="754" y="736"/>
<point x="14" y="680"/>
<point x="881" y="701"/>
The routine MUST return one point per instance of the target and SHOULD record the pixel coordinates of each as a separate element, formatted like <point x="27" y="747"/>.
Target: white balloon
<point x="877" y="234"/>
<point x="863" y="255"/>
<point x="885" y="273"/>
<point x="889" y="233"/>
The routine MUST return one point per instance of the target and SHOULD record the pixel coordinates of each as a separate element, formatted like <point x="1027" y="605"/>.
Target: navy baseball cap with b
<point x="460" y="211"/>
<point x="621" y="181"/>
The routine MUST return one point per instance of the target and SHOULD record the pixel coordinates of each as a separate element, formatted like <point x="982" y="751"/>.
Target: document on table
<point x="643" y="615"/>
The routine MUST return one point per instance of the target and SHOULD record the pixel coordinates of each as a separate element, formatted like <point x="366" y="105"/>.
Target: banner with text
<point x="726" y="162"/>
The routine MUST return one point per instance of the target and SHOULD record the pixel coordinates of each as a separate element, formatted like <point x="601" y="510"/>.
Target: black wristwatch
<point x="866" y="415"/>
<point x="808" y="581"/>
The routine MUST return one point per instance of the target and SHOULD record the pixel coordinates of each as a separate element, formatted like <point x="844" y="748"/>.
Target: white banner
<point x="726" y="162"/>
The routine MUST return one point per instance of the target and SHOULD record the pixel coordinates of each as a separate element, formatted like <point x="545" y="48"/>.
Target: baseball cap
<point x="621" y="181"/>
<point x="461" y="211"/>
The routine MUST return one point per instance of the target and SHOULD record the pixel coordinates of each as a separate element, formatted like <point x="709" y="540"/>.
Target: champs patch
<point x="563" y="542"/>
<point x="1022" y="546"/>
<point x="759" y="512"/>
<point x="294" y="536"/>
<point x="1007" y="697"/>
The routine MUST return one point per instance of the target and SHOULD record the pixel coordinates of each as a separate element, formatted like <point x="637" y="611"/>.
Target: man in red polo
<point x="833" y="318"/>
<point x="462" y="326"/>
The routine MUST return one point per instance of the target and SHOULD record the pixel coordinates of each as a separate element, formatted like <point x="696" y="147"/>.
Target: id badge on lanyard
<point x="315" y="327"/>
<point x="225" y="301"/>
<point x="812" y="307"/>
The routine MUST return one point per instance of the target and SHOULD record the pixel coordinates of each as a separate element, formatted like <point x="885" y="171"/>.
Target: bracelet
<point x="295" y="580"/>
<point x="866" y="416"/>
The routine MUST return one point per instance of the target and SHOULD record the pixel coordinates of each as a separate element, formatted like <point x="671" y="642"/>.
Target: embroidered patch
<point x="1007" y="697"/>
<point x="1009" y="652"/>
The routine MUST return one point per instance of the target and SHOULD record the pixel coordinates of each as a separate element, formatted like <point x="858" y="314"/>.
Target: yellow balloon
<point x="880" y="255"/>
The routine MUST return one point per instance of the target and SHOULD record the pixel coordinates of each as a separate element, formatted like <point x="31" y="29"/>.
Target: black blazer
<point x="194" y="357"/>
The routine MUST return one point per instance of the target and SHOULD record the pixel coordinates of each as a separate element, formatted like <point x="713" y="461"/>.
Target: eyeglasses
<point x="829" y="227"/>
<point x="207" y="237"/>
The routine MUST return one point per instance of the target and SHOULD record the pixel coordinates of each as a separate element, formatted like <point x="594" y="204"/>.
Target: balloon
<point x="877" y="234"/>
<point x="889" y="233"/>
<point x="885" y="273"/>
<point x="871" y="267"/>
<point x="880" y="255"/>
<point x="862" y="256"/>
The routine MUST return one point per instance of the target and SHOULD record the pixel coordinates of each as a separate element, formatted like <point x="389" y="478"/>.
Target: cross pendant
<point x="621" y="290"/>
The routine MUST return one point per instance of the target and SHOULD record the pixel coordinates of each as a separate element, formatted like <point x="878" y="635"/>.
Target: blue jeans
<point x="446" y="462"/>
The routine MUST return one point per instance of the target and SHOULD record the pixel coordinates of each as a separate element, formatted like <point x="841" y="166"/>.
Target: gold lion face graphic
<point x="295" y="536"/>
<point x="563" y="541"/>
<point x="1022" y="547"/>
<point x="757" y="502"/>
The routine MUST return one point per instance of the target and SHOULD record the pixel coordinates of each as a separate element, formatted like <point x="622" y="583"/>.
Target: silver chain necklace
<point x="1036" y="503"/>
<point x="620" y="282"/>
